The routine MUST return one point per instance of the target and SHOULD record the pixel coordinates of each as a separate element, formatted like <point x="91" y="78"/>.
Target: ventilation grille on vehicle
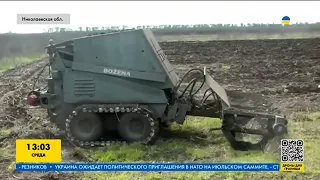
<point x="84" y="87"/>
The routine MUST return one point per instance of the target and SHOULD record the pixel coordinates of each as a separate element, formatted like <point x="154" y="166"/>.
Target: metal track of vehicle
<point x="154" y="124"/>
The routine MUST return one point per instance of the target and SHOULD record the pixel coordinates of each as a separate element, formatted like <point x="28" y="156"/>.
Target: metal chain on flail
<point x="107" y="109"/>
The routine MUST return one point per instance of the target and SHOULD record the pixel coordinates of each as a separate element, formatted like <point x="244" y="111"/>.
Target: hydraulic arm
<point x="233" y="119"/>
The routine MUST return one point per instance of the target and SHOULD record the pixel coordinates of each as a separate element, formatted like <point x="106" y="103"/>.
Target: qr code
<point x="292" y="150"/>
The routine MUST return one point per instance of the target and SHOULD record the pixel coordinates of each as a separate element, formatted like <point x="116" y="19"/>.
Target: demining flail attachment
<point x="234" y="120"/>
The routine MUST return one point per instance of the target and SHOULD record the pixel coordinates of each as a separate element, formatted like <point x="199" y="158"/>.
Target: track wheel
<point x="138" y="127"/>
<point x="86" y="127"/>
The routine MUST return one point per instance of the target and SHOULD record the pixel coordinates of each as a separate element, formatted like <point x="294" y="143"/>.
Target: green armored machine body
<point x="124" y="82"/>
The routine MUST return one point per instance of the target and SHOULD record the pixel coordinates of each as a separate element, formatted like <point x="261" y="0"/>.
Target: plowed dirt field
<point x="272" y="75"/>
<point x="264" y="75"/>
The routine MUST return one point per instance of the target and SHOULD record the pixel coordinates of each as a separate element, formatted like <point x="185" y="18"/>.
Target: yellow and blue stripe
<point x="286" y="20"/>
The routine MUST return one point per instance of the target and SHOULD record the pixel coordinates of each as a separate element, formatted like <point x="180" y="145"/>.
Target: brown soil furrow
<point x="15" y="79"/>
<point x="257" y="74"/>
<point x="12" y="98"/>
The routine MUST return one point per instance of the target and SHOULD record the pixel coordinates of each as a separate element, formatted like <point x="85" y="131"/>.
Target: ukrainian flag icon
<point x="286" y="20"/>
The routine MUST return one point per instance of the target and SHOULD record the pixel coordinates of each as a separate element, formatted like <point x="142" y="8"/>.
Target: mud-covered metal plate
<point x="215" y="86"/>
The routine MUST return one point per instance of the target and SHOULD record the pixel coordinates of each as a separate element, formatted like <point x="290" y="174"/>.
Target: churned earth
<point x="272" y="75"/>
<point x="262" y="75"/>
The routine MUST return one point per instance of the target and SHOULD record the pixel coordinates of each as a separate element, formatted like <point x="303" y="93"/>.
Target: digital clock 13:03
<point x="38" y="150"/>
<point x="41" y="147"/>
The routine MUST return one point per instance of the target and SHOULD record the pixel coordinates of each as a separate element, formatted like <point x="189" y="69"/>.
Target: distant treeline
<point x="12" y="44"/>
<point x="197" y="27"/>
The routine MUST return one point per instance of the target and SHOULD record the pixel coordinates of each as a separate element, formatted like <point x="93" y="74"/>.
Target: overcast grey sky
<point x="103" y="13"/>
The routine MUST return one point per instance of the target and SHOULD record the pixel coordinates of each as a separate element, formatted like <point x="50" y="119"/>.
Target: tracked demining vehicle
<point x="123" y="82"/>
